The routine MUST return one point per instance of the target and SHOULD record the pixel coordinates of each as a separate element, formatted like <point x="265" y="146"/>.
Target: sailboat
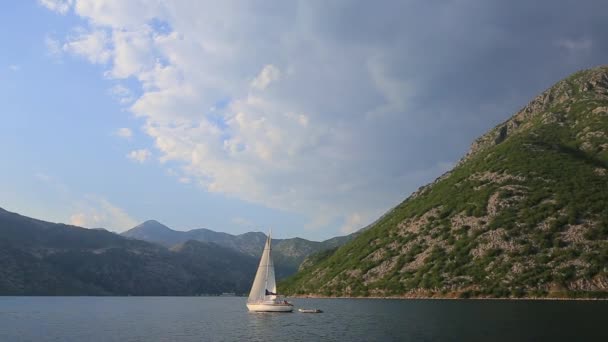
<point x="263" y="295"/>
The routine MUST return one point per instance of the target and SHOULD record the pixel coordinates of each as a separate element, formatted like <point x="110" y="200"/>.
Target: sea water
<point x="92" y="319"/>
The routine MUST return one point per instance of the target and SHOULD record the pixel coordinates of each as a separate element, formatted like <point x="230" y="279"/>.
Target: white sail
<point x="263" y="297"/>
<point x="271" y="283"/>
<point x="264" y="278"/>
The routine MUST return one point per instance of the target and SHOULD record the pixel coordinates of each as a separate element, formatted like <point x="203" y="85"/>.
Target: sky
<point x="312" y="118"/>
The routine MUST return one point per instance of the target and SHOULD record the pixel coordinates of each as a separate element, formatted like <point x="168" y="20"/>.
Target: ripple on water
<point x="93" y="319"/>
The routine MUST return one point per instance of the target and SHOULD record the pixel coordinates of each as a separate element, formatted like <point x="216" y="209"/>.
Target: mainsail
<point x="264" y="286"/>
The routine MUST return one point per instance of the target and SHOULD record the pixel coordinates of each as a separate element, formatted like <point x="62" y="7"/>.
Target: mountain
<point x="288" y="254"/>
<point x="154" y="231"/>
<point x="524" y="213"/>
<point x="43" y="258"/>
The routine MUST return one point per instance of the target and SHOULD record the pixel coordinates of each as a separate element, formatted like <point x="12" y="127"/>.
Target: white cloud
<point x="304" y="146"/>
<point x="133" y="53"/>
<point x="394" y="91"/>
<point x="93" y="45"/>
<point x="80" y="219"/>
<point x="122" y="94"/>
<point x="353" y="223"/>
<point x="139" y="156"/>
<point x="120" y="14"/>
<point x="59" y="6"/>
<point x="267" y="75"/>
<point x="124" y="132"/>
<point x="90" y="211"/>
<point x="575" y="45"/>
<point x="53" y="46"/>
<point x="185" y="180"/>
<point x="97" y="212"/>
<point x="356" y="117"/>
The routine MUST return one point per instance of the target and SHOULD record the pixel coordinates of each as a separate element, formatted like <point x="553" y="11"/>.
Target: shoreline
<point x="456" y="298"/>
<point x="328" y="297"/>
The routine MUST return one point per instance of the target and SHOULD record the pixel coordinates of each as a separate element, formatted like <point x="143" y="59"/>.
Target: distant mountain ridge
<point x="288" y="254"/>
<point x="44" y="258"/>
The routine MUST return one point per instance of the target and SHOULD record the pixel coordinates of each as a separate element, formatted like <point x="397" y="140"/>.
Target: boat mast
<point x="267" y="261"/>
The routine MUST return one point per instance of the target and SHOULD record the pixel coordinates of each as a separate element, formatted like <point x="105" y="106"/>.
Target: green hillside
<point x="524" y="213"/>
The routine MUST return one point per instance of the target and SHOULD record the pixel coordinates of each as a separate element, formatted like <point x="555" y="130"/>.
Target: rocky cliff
<point x="524" y="213"/>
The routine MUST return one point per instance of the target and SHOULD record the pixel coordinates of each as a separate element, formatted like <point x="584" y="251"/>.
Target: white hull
<point x="261" y="307"/>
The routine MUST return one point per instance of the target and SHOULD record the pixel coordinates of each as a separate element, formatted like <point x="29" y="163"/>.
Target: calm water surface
<point x="93" y="319"/>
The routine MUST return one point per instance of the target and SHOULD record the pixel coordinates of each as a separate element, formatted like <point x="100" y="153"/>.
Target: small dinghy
<point x="310" y="310"/>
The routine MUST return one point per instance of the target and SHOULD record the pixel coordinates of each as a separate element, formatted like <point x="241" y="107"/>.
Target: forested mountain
<point x="43" y="258"/>
<point x="524" y="213"/>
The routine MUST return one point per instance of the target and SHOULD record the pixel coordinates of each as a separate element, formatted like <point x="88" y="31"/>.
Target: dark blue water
<point x="93" y="319"/>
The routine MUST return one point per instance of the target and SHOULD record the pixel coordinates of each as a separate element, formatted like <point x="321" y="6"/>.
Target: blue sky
<point x="306" y="117"/>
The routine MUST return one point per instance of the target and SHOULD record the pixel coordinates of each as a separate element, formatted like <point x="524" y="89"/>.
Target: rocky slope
<point x="288" y="254"/>
<point x="43" y="258"/>
<point x="524" y="213"/>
